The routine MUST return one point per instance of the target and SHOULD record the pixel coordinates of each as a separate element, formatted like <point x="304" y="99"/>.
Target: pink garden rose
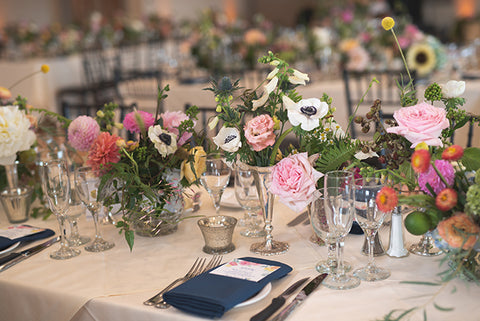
<point x="420" y="123"/>
<point x="259" y="132"/>
<point x="131" y="121"/>
<point x="171" y="121"/>
<point x="294" y="181"/>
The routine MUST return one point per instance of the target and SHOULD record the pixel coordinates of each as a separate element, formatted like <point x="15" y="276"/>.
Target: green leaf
<point x="471" y="158"/>
<point x="442" y="308"/>
<point x="421" y="283"/>
<point x="333" y="158"/>
<point x="129" y="236"/>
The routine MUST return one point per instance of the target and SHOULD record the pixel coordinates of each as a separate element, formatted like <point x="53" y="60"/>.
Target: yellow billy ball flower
<point x="421" y="145"/>
<point x="388" y="23"/>
<point x="45" y="68"/>
<point x="276" y="123"/>
<point x="219" y="108"/>
<point x="100" y="114"/>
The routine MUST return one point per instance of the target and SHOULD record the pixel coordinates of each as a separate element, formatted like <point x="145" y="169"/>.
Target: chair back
<point x="464" y="136"/>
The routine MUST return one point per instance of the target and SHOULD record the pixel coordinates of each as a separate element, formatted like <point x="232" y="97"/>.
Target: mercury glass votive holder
<point x="218" y="233"/>
<point x="16" y="203"/>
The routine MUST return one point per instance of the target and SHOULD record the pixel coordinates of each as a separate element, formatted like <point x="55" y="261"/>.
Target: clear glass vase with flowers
<point x="144" y="177"/>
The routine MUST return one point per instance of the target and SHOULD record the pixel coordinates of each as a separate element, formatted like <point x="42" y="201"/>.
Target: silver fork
<point x="196" y="267"/>
<point x="214" y="262"/>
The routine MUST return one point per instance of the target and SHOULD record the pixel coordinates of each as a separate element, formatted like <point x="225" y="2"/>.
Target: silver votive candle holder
<point x="217" y="232"/>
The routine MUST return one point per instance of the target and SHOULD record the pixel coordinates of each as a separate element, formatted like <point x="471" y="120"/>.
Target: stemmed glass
<point x="56" y="187"/>
<point x="75" y="210"/>
<point x="215" y="178"/>
<point x="87" y="181"/>
<point x="318" y="219"/>
<point x="370" y="218"/>
<point x="339" y="199"/>
<point x="247" y="196"/>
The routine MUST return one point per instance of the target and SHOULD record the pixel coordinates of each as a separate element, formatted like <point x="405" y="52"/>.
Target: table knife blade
<point x="301" y="296"/>
<point x="16" y="258"/>
<point x="277" y="302"/>
<point x="298" y="219"/>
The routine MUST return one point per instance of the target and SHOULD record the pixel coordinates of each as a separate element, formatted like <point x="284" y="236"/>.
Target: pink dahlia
<point x="104" y="151"/>
<point x="431" y="177"/>
<point x="171" y="121"/>
<point x="82" y="131"/>
<point x="132" y="119"/>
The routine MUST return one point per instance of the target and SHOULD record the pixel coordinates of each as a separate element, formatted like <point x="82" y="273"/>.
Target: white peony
<point x="164" y="141"/>
<point x="307" y="112"/>
<point x="15" y="134"/>
<point x="228" y="139"/>
<point x="453" y="89"/>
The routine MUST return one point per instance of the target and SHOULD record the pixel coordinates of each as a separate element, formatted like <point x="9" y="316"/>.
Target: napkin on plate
<point x="37" y="234"/>
<point x="211" y="295"/>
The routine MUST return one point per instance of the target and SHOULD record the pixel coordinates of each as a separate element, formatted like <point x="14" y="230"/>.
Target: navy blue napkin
<point x="210" y="295"/>
<point x="5" y="242"/>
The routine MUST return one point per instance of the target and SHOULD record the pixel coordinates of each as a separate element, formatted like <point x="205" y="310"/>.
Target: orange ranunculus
<point x="459" y="231"/>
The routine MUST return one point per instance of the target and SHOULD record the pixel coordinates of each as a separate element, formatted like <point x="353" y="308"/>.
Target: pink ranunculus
<point x="131" y="121"/>
<point x="259" y="132"/>
<point x="431" y="177"/>
<point x="420" y="123"/>
<point x="82" y="131"/>
<point x="294" y="181"/>
<point x="171" y="121"/>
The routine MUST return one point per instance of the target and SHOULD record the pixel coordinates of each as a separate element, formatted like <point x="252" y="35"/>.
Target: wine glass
<point x="318" y="219"/>
<point x="215" y="178"/>
<point x="87" y="181"/>
<point x="75" y="211"/>
<point x="56" y="187"/>
<point x="339" y="199"/>
<point x="370" y="218"/>
<point x="247" y="196"/>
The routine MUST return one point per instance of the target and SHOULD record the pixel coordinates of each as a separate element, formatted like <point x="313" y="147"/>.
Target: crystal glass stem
<point x="340" y="272"/>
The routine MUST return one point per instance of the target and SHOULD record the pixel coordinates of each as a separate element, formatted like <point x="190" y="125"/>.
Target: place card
<point x="245" y="270"/>
<point x="18" y="231"/>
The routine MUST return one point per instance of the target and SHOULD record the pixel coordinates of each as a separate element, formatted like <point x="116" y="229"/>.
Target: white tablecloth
<point x="112" y="285"/>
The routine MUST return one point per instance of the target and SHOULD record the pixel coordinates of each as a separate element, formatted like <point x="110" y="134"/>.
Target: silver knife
<point x="277" y="302"/>
<point x="299" y="219"/>
<point x="301" y="296"/>
<point x="28" y="253"/>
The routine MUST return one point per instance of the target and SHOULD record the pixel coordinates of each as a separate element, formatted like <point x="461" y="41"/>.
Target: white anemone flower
<point x="270" y="87"/>
<point x="15" y="133"/>
<point x="453" y="89"/>
<point x="298" y="78"/>
<point x="307" y="112"/>
<point x="164" y="141"/>
<point x="228" y="139"/>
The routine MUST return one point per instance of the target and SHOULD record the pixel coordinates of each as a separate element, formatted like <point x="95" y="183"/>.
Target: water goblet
<point x="370" y="218"/>
<point x="87" y="181"/>
<point x="56" y="187"/>
<point x="318" y="220"/>
<point x="215" y="178"/>
<point x="247" y="196"/>
<point x="339" y="199"/>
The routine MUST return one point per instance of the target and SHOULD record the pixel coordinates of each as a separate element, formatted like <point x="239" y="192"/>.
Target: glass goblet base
<point x="99" y="245"/>
<point x="79" y="240"/>
<point x="64" y="253"/>
<point x="324" y="266"/>
<point x="343" y="282"/>
<point x="269" y="247"/>
<point x="372" y="273"/>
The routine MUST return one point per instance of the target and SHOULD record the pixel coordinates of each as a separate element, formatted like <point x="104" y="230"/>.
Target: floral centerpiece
<point x="145" y="176"/>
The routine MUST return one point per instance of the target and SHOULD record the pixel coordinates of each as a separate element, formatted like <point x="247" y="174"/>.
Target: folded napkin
<point x="211" y="295"/>
<point x="37" y="234"/>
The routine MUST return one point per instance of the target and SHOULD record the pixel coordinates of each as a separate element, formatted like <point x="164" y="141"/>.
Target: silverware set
<point x="197" y="268"/>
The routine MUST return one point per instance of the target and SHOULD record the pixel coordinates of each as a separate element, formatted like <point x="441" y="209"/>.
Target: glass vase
<point x="150" y="219"/>
<point x="262" y="178"/>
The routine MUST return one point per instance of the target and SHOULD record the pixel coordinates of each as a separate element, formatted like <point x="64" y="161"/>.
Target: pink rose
<point x="259" y="132"/>
<point x="294" y="181"/>
<point x="171" y="121"/>
<point x="420" y="123"/>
